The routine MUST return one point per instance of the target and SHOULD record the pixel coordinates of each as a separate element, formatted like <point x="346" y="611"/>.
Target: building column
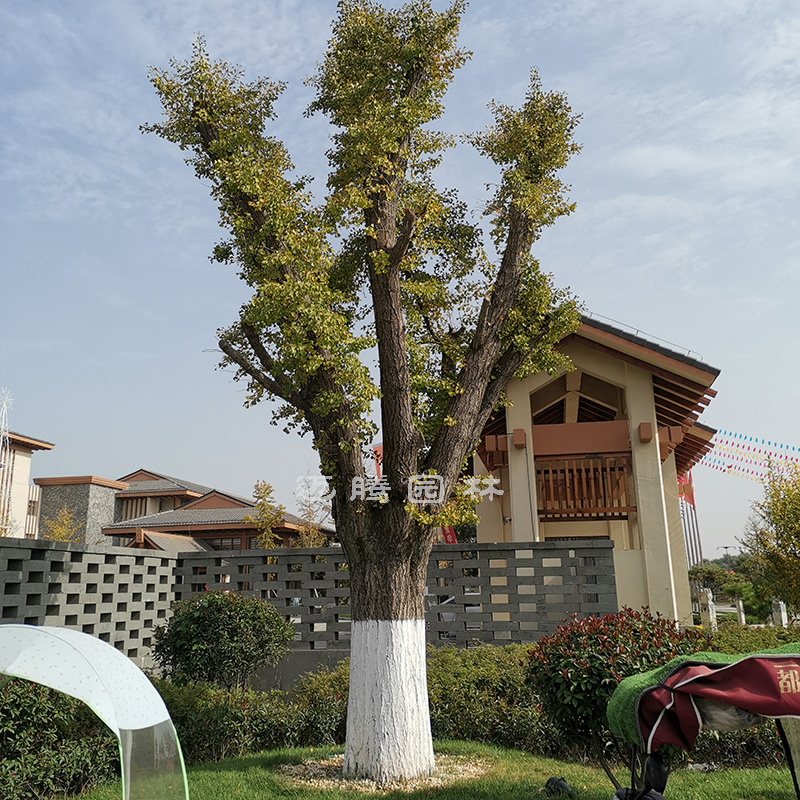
<point x="650" y="505"/>
<point x="680" y="570"/>
<point x="521" y="467"/>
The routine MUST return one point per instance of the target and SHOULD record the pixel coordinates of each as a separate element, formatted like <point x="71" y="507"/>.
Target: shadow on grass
<point x="513" y="775"/>
<point x="269" y="760"/>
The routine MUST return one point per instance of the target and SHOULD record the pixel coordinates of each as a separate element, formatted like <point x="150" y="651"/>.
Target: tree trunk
<point x="388" y="721"/>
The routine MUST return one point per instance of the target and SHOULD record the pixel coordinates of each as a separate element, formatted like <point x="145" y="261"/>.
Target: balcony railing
<point x="584" y="488"/>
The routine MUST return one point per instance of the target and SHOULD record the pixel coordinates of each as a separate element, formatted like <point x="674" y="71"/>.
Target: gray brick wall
<point x="117" y="594"/>
<point x="494" y="593"/>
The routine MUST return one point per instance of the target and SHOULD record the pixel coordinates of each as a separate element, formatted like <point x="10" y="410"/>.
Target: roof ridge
<point x="192" y="503"/>
<point x="181" y="482"/>
<point x="647" y="340"/>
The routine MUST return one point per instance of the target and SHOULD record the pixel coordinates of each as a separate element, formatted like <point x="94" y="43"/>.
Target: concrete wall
<point x="21" y="479"/>
<point x="14" y="480"/>
<point x="677" y="541"/>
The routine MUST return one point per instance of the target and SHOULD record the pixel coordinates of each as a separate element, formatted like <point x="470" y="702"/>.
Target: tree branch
<point x="468" y="407"/>
<point x="495" y="309"/>
<point x="244" y="363"/>
<point x="405" y="235"/>
<point x="266" y="359"/>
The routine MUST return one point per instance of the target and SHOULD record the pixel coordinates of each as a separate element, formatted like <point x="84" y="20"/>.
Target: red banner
<point x="686" y="488"/>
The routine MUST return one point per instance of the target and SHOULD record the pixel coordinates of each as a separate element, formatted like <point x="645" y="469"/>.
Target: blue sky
<point x="686" y="226"/>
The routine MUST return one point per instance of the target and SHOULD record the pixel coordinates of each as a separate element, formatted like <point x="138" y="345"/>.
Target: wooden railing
<point x="584" y="488"/>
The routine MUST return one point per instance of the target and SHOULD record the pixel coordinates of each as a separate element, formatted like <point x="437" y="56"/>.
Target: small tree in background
<point x="575" y="670"/>
<point x="314" y="512"/>
<point x="738" y="582"/>
<point x="221" y="637"/>
<point x="266" y="516"/>
<point x="773" y="535"/>
<point x="63" y="528"/>
<point x="709" y="576"/>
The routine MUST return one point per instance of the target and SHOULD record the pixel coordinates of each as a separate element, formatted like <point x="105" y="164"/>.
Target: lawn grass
<point x="514" y="776"/>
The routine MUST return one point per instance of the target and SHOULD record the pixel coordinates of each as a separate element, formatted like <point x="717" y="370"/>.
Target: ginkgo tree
<point x="386" y="262"/>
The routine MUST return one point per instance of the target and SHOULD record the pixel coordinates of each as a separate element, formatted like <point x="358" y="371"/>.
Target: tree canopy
<point x="387" y="262"/>
<point x="452" y="324"/>
<point x="773" y="534"/>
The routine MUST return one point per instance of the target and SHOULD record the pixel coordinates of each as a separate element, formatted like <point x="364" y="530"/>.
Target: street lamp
<point x="726" y="547"/>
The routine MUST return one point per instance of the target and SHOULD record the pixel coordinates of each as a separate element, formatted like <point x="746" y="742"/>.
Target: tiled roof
<point x="165" y="483"/>
<point x="199" y="516"/>
<point x="170" y="543"/>
<point x="248" y="501"/>
<point x="186" y="516"/>
<point x="593" y="322"/>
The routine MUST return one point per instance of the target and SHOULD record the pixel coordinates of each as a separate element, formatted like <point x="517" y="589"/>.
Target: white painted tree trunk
<point x="388" y="722"/>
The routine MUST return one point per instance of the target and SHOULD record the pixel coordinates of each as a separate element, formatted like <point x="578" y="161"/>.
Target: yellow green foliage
<point x="773" y="534"/>
<point x="266" y="516"/>
<point x="62" y="528"/>
<point x="386" y="257"/>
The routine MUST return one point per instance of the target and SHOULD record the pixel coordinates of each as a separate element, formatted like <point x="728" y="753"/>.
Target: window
<point x="225" y="543"/>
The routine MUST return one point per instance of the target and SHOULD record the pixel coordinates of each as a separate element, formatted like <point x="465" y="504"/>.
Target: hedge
<point x="51" y="745"/>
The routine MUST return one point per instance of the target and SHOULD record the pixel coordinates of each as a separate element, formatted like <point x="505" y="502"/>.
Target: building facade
<point x="598" y="452"/>
<point x="19" y="499"/>
<point x="144" y="509"/>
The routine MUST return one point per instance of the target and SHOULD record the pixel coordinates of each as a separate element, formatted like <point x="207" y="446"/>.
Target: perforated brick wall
<point x="494" y="593"/>
<point x="116" y="594"/>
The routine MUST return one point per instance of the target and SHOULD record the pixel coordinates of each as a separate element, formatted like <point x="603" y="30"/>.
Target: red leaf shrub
<point x="575" y="670"/>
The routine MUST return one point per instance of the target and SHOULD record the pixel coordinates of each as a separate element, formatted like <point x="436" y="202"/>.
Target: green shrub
<point x="319" y="703"/>
<point x="471" y="690"/>
<point x="751" y="747"/>
<point x="481" y="694"/>
<point x="214" y="723"/>
<point x="731" y="637"/>
<point x="220" y="637"/>
<point x="51" y="744"/>
<point x="478" y="694"/>
<point x="575" y="670"/>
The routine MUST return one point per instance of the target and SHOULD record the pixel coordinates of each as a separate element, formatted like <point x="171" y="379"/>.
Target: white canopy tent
<point x="116" y="690"/>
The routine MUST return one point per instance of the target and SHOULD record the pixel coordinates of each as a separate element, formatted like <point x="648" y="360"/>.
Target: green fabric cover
<point x="622" y="707"/>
